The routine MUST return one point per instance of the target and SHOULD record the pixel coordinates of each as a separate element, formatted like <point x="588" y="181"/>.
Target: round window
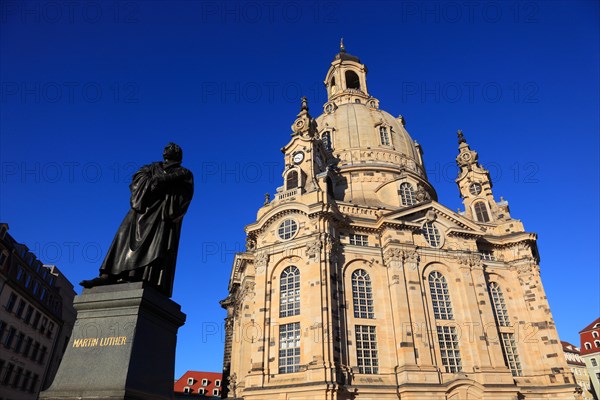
<point x="475" y="188"/>
<point x="287" y="229"/>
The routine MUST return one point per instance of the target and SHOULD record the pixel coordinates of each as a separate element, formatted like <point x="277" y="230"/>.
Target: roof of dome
<point x="355" y="126"/>
<point x="342" y="55"/>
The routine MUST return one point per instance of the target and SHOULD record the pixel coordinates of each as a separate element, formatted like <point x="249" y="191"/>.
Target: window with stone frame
<point x="289" y="292"/>
<point x="384" y="136"/>
<point x="287" y="229"/>
<point x="10" y="303"/>
<point x="500" y="310"/>
<point x="291" y="180"/>
<point x="507" y="336"/>
<point x="359" y="240"/>
<point x="448" y="341"/>
<point x="289" y="348"/>
<point x="407" y="194"/>
<point x="10" y="335"/>
<point x="326" y="139"/>
<point x="366" y="349"/>
<point x="481" y="212"/>
<point x="440" y="296"/>
<point x="362" y="295"/>
<point x="511" y="355"/>
<point x="432" y="234"/>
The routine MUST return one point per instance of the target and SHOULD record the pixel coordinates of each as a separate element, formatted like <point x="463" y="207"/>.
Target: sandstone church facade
<point x="357" y="284"/>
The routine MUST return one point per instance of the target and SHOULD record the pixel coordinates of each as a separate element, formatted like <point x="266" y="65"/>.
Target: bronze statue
<point x="145" y="246"/>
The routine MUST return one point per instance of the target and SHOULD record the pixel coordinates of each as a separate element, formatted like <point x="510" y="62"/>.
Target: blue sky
<point x="92" y="90"/>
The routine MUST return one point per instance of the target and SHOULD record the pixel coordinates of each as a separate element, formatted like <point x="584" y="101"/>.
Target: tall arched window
<point x="509" y="343"/>
<point x="440" y="296"/>
<point x="500" y="310"/>
<point x="352" y="80"/>
<point x="407" y="194"/>
<point x="291" y="181"/>
<point x="326" y="139"/>
<point x="447" y="336"/>
<point x="289" y="294"/>
<point x="362" y="294"/>
<point x="481" y="213"/>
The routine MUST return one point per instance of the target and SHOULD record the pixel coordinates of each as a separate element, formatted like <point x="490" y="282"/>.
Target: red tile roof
<point x="196" y="379"/>
<point x="569" y="347"/>
<point x="590" y="326"/>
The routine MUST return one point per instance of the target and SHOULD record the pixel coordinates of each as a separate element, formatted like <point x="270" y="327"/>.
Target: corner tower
<point x="357" y="284"/>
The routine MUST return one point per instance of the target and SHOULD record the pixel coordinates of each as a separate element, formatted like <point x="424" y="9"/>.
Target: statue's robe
<point x="145" y="246"/>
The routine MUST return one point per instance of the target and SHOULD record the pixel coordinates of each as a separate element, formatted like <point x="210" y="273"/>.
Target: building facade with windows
<point x="579" y="370"/>
<point x="356" y="283"/>
<point x="590" y="352"/>
<point x="199" y="384"/>
<point x="36" y="320"/>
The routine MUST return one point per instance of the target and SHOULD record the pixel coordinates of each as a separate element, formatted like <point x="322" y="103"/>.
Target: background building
<point x="36" y="319"/>
<point x="206" y="385"/>
<point x="579" y="370"/>
<point x="590" y="352"/>
<point x="357" y="283"/>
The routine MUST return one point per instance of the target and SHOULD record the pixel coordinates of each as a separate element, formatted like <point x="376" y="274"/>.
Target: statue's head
<point x="172" y="152"/>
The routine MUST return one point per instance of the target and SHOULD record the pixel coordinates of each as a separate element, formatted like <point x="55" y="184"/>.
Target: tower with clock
<point x="358" y="284"/>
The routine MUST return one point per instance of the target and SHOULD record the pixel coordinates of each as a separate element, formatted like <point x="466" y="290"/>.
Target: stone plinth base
<point x="122" y="346"/>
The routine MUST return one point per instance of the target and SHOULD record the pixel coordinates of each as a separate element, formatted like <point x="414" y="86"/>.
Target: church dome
<point x="374" y="152"/>
<point x="361" y="135"/>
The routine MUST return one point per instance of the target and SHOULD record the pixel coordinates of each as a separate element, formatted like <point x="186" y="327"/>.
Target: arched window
<point x="407" y="194"/>
<point x="595" y="334"/>
<point x="291" y="181"/>
<point x="384" y="137"/>
<point x="326" y="139"/>
<point x="481" y="213"/>
<point x="432" y="234"/>
<point x="597" y="343"/>
<point x="440" y="296"/>
<point x="362" y="294"/>
<point x="352" y="80"/>
<point x="588" y="346"/>
<point x="509" y="343"/>
<point x="289" y="294"/>
<point x="500" y="310"/>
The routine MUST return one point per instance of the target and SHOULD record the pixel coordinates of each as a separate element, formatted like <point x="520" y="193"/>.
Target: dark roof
<point x="566" y="346"/>
<point x="590" y="326"/>
<point x="342" y="55"/>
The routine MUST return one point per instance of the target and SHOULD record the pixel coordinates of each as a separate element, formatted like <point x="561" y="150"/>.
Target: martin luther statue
<point x="145" y="246"/>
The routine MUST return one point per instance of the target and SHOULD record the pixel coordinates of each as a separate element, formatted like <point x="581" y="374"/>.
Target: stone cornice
<point x="510" y="239"/>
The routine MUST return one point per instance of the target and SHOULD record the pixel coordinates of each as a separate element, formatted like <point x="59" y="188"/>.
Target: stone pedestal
<point x="122" y="346"/>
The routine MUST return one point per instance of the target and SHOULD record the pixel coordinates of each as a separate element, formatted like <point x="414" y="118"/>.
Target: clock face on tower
<point x="298" y="157"/>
